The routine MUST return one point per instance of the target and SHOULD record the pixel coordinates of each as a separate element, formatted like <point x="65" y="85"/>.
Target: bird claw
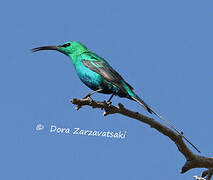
<point x="87" y="97"/>
<point x="109" y="102"/>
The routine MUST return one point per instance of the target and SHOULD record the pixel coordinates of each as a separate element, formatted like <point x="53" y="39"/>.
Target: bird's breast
<point x="92" y="79"/>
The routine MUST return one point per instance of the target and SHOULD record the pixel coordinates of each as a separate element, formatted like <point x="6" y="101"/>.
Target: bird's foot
<point x="87" y="97"/>
<point x="109" y="102"/>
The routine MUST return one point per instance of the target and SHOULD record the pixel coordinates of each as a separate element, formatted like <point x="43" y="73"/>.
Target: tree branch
<point x="192" y="160"/>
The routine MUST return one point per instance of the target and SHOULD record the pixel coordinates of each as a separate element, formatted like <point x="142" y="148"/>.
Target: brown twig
<point x="192" y="160"/>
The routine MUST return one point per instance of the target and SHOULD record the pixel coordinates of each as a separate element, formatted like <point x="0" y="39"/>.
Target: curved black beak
<point x="45" y="48"/>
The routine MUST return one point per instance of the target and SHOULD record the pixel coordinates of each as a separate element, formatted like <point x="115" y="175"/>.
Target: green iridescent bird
<point x="96" y="72"/>
<point x="99" y="76"/>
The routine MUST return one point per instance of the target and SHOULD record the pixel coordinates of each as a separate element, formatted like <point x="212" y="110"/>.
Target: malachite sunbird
<point x="96" y="73"/>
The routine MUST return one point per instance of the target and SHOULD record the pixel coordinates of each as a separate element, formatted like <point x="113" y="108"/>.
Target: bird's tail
<point x="135" y="97"/>
<point x="150" y="110"/>
<point x="142" y="103"/>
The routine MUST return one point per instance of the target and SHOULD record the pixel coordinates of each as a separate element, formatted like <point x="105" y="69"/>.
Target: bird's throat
<point x="75" y="56"/>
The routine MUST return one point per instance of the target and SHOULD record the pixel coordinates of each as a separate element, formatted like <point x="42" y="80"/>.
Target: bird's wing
<point x="106" y="71"/>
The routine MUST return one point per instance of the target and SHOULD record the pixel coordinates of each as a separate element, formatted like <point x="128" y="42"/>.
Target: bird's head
<point x="70" y="48"/>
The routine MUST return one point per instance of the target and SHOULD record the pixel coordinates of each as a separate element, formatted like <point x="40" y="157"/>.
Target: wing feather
<point x="106" y="71"/>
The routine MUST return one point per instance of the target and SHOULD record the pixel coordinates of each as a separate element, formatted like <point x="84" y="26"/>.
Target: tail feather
<point x="133" y="96"/>
<point x="150" y="110"/>
<point x="142" y="103"/>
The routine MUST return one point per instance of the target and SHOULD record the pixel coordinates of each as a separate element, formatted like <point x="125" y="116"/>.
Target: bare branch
<point x="192" y="160"/>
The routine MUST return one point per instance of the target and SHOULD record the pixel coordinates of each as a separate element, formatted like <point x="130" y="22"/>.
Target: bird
<point x="96" y="73"/>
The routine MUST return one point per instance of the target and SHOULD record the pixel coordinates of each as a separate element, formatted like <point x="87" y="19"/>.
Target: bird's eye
<point x="66" y="45"/>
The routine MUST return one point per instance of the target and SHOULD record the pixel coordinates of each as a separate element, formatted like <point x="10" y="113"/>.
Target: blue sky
<point x="162" y="48"/>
